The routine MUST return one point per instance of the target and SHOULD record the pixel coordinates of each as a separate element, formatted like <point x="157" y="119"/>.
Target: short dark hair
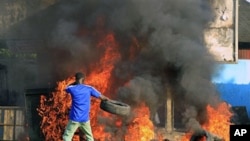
<point x="79" y="75"/>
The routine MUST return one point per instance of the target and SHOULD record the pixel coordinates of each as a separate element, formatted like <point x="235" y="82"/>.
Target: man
<point x="79" y="113"/>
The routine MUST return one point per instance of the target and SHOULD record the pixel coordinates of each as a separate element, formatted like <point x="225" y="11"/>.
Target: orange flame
<point x="141" y="127"/>
<point x="218" y="122"/>
<point x="54" y="109"/>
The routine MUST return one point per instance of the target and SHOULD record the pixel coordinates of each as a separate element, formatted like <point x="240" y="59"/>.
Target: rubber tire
<point x="115" y="107"/>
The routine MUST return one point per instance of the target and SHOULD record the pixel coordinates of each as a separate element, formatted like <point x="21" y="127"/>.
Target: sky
<point x="235" y="73"/>
<point x="236" y="95"/>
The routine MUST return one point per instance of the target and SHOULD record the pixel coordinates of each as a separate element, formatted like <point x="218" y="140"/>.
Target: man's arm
<point x="102" y="97"/>
<point x="98" y="94"/>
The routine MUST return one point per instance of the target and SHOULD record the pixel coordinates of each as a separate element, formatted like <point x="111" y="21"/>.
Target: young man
<point x="79" y="113"/>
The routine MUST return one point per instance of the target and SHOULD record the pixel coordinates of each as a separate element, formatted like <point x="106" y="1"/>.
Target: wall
<point x="18" y="48"/>
<point x="221" y="34"/>
<point x="14" y="11"/>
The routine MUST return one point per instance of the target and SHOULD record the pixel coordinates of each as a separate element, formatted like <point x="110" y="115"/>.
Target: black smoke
<point x="172" y="52"/>
<point x="171" y="55"/>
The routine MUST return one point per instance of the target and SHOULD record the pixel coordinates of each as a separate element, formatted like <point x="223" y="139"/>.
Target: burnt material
<point x="198" y="135"/>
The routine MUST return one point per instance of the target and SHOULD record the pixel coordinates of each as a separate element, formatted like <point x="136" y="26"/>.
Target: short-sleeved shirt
<point x="81" y="97"/>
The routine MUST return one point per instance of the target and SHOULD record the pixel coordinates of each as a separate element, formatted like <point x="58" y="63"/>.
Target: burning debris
<point x="200" y="135"/>
<point x="215" y="128"/>
<point x="134" y="51"/>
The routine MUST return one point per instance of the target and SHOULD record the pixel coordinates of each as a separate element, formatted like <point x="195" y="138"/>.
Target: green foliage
<point x="6" y="53"/>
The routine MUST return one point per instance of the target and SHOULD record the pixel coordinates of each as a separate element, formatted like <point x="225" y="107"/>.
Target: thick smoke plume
<point x="171" y="55"/>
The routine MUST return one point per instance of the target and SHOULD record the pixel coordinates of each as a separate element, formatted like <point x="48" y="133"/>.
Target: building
<point x="243" y="33"/>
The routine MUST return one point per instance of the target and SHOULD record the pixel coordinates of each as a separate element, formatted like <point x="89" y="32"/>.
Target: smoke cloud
<point x="172" y="54"/>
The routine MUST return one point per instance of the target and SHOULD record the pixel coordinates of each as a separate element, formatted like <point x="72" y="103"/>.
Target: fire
<point x="218" y="122"/>
<point x="100" y="78"/>
<point x="54" y="109"/>
<point x="141" y="128"/>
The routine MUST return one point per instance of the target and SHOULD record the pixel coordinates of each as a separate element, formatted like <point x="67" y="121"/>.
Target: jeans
<point x="72" y="127"/>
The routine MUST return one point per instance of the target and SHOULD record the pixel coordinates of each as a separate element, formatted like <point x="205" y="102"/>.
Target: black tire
<point x="115" y="107"/>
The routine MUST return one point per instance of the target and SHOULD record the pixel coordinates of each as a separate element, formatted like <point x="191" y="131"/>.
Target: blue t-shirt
<point x="81" y="96"/>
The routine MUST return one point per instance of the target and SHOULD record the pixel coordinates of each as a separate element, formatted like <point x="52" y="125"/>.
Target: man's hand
<point x="102" y="97"/>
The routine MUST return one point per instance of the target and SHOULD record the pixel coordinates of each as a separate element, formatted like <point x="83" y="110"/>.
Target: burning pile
<point x="54" y="110"/>
<point x="141" y="128"/>
<point x="134" y="51"/>
<point x="217" y="126"/>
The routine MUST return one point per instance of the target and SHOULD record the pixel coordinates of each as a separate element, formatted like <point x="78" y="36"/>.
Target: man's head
<point x="79" y="77"/>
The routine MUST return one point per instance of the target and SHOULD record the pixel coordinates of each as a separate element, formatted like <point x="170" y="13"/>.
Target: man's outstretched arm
<point x="103" y="97"/>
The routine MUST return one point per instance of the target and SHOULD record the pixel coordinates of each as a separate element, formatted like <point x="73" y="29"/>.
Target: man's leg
<point x="70" y="130"/>
<point x="86" y="128"/>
